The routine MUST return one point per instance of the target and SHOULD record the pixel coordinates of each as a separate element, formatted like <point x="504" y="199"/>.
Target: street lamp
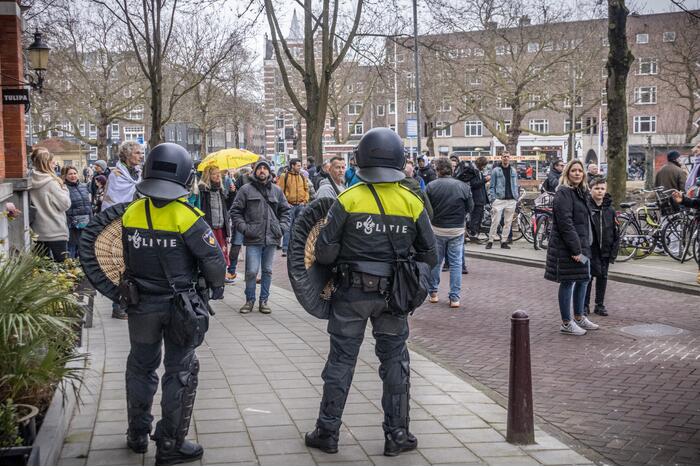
<point x="38" y="61"/>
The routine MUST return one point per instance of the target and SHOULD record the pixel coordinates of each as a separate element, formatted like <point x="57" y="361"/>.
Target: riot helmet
<point x="380" y="156"/>
<point x="167" y="173"/>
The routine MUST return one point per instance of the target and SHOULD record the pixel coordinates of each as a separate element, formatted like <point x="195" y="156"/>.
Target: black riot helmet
<point x="380" y="156"/>
<point x="167" y="173"/>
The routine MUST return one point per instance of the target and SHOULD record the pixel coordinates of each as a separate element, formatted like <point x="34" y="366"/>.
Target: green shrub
<point x="9" y="431"/>
<point x="38" y="315"/>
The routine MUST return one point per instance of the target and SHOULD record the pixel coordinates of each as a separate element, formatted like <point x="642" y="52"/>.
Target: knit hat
<point x="101" y="179"/>
<point x="102" y="164"/>
<point x="673" y="156"/>
<point x="261" y="163"/>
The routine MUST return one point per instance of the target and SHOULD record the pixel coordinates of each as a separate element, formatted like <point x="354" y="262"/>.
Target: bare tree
<point x="170" y="41"/>
<point x="681" y="73"/>
<point x="620" y="59"/>
<point x="353" y="87"/>
<point x="93" y="78"/>
<point x="323" y="52"/>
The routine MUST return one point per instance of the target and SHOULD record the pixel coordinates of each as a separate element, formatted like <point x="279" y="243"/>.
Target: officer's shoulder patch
<point x="209" y="238"/>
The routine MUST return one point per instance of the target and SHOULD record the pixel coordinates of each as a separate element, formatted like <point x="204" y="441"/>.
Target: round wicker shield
<point x="101" y="251"/>
<point x="312" y="282"/>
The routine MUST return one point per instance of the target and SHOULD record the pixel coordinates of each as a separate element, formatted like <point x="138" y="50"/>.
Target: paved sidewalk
<point x="260" y="390"/>
<point x="653" y="271"/>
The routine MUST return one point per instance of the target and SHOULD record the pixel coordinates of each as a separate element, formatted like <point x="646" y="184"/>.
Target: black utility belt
<point x="363" y="280"/>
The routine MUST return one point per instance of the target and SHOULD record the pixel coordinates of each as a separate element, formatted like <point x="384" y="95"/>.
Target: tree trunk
<point x="156" y="115"/>
<point x="619" y="60"/>
<point x="102" y="140"/>
<point x="314" y="139"/>
<point x="236" y="138"/>
<point x="691" y="129"/>
<point x="515" y="131"/>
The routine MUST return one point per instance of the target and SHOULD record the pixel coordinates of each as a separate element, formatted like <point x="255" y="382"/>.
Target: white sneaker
<point x="433" y="297"/>
<point x="572" y="328"/>
<point x="586" y="323"/>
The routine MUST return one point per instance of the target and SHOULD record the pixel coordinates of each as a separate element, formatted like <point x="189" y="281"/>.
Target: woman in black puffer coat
<point x="80" y="209"/>
<point x="569" y="251"/>
<point x="606" y="241"/>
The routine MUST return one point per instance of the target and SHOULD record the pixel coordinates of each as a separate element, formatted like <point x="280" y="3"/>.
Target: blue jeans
<point x="257" y="256"/>
<point x="454" y="249"/>
<point x="567" y="289"/>
<point x="234" y="251"/>
<point x="293" y="213"/>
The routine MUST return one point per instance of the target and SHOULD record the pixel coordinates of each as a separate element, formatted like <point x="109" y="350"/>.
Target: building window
<point x="136" y="114"/>
<point x="411" y="107"/>
<point x="279" y="146"/>
<point x="548" y="46"/>
<point x="445" y="106"/>
<point x="473" y="128"/>
<point x="355" y="108"/>
<point x="380" y="109"/>
<point x="567" y="102"/>
<point x="604" y="96"/>
<point x="591" y="127"/>
<point x="93" y="130"/>
<point x="473" y="78"/>
<point x="502" y="103"/>
<point x="539" y="125"/>
<point x="350" y="88"/>
<point x="178" y="134"/>
<point x="478" y="52"/>
<point x="504" y="127"/>
<point x="645" y="124"/>
<point x="115" y="132"/>
<point x="82" y="129"/>
<point x="642" y="38"/>
<point x="500" y="50"/>
<point x="332" y="122"/>
<point x="411" y="80"/>
<point x="93" y="153"/>
<point x="533" y="100"/>
<point x="445" y="132"/>
<point x="279" y="123"/>
<point x="392" y="108"/>
<point x="645" y="95"/>
<point x="606" y="43"/>
<point x="356" y="129"/>
<point x="670" y="36"/>
<point x="648" y="66"/>
<point x="533" y="47"/>
<point x="604" y="72"/>
<point x="134" y="133"/>
<point x="567" y="125"/>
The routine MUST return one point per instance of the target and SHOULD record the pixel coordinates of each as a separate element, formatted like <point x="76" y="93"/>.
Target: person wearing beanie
<point x="99" y="168"/>
<point x="261" y="213"/>
<point x="671" y="175"/>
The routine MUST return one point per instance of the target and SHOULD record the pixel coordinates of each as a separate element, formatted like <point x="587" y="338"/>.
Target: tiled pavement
<point x="260" y="389"/>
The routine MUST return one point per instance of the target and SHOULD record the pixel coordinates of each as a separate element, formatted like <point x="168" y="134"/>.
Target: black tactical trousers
<point x="349" y="314"/>
<point x="147" y="333"/>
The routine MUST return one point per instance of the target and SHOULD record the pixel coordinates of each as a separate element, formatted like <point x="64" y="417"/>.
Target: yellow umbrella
<point x="226" y="159"/>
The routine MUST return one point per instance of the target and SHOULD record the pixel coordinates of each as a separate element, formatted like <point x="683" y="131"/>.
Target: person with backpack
<point x="296" y="190"/>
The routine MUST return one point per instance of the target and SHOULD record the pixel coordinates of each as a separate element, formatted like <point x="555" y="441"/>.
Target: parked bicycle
<point x="541" y="220"/>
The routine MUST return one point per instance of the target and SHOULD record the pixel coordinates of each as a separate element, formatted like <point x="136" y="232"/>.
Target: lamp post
<point x="38" y="61"/>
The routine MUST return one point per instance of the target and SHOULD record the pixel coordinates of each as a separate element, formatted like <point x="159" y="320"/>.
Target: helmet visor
<point x="161" y="189"/>
<point x="380" y="174"/>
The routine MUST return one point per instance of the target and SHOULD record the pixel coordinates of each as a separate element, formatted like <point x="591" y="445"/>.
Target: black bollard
<point x="521" y="427"/>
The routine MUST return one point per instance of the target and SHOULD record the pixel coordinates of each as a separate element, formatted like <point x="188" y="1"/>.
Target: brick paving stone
<point x="647" y="388"/>
<point x="459" y="455"/>
<point x="223" y="440"/>
<point x="510" y="460"/>
<point x="279" y="446"/>
<point x="287" y="459"/>
<point x="228" y="455"/>
<point x="559" y="458"/>
<point x="478" y="435"/>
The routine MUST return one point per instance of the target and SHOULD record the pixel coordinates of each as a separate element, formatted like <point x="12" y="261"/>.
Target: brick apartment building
<point x="384" y="96"/>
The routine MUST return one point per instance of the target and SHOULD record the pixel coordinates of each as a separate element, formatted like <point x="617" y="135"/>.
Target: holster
<point x="128" y="292"/>
<point x="190" y="320"/>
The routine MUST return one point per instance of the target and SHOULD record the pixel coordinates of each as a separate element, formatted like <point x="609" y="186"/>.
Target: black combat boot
<point x="137" y="442"/>
<point x="170" y="452"/>
<point x="326" y="441"/>
<point x="397" y="441"/>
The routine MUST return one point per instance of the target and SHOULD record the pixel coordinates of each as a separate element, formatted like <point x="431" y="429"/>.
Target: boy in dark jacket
<point x="606" y="238"/>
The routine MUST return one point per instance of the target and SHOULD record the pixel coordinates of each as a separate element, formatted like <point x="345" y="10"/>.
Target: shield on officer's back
<point x="312" y="282"/>
<point x="102" y="252"/>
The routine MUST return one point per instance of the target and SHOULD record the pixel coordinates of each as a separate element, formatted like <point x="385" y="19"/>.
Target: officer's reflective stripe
<point x="173" y="217"/>
<point x="396" y="199"/>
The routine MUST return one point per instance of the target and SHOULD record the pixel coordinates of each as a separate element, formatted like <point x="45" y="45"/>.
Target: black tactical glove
<point x="217" y="293"/>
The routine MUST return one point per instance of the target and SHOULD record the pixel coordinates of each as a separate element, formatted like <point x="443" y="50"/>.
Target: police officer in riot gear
<point x="167" y="247"/>
<point x="355" y="240"/>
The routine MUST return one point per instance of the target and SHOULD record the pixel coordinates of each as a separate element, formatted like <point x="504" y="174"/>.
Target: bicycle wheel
<point x="629" y="232"/>
<point x="675" y="238"/>
<point x="542" y="231"/>
<point x="517" y="229"/>
<point x="696" y="249"/>
<point x="525" y="226"/>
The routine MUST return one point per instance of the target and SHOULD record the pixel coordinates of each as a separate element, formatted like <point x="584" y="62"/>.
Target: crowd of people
<point x="256" y="207"/>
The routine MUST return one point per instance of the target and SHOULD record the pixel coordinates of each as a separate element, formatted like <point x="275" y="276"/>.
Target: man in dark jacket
<point x="452" y="201"/>
<point x="425" y="171"/>
<point x="606" y="238"/>
<point x="167" y="246"/>
<point x="550" y="185"/>
<point x="261" y="213"/>
<point x="671" y="176"/>
<point x="356" y="240"/>
<point x="472" y="174"/>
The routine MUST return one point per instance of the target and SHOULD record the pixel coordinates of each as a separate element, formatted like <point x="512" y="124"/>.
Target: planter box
<point x="20" y="455"/>
<point x="57" y="420"/>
